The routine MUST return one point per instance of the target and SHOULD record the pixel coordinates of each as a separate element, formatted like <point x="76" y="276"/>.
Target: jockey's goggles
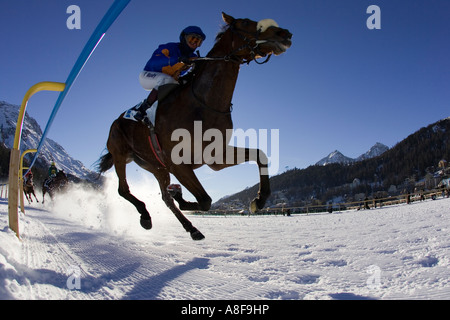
<point x="194" y="38"/>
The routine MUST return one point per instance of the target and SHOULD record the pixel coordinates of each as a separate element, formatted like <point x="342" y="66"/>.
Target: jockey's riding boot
<point x="141" y="113"/>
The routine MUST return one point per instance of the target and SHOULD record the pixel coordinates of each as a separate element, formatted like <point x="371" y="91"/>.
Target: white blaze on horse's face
<point x="271" y="46"/>
<point x="265" y="24"/>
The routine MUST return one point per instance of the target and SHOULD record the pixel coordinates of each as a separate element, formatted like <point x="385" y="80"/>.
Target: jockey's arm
<point x="165" y="59"/>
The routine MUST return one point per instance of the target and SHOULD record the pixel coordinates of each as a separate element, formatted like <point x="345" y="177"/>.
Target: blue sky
<point x="340" y="86"/>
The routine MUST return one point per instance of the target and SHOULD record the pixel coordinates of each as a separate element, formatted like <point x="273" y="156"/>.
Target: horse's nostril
<point x="284" y="34"/>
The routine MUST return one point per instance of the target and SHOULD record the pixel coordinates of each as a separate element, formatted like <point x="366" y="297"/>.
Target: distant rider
<point x="28" y="179"/>
<point x="52" y="171"/>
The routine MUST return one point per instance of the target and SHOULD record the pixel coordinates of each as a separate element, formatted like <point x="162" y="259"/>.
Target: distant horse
<point x="206" y="98"/>
<point x="28" y="188"/>
<point x="54" y="185"/>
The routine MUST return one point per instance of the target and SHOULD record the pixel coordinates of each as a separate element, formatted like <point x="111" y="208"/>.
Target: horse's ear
<point x="228" y="19"/>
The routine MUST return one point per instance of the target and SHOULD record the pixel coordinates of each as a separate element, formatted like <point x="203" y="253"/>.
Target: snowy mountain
<point x="335" y="157"/>
<point x="373" y="152"/>
<point x="31" y="135"/>
<point x="338" y="157"/>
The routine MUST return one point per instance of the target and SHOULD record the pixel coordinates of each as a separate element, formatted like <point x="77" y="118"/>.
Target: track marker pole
<point x="14" y="161"/>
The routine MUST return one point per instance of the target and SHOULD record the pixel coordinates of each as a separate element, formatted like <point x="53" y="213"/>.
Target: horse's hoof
<point x="253" y="207"/>
<point x="256" y="205"/>
<point x="197" y="235"/>
<point x="146" y="223"/>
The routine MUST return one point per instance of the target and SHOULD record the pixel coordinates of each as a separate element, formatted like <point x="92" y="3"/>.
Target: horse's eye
<point x="245" y="22"/>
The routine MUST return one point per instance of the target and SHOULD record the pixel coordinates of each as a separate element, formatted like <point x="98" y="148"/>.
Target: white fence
<point x="3" y="191"/>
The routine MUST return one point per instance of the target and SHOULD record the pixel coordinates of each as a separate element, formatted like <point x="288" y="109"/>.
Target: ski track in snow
<point x="398" y="252"/>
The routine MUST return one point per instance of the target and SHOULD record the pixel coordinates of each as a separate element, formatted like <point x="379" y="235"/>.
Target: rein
<point x="231" y="57"/>
<point x="254" y="50"/>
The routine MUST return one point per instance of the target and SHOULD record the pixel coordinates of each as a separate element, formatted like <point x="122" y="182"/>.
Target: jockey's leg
<point x="151" y="81"/>
<point x="142" y="110"/>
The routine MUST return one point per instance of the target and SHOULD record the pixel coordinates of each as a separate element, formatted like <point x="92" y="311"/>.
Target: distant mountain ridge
<point x="412" y="163"/>
<point x="31" y="135"/>
<point x="338" y="157"/>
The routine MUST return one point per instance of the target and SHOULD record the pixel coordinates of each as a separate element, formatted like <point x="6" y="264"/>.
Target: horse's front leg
<point x="185" y="174"/>
<point x="163" y="178"/>
<point x="236" y="155"/>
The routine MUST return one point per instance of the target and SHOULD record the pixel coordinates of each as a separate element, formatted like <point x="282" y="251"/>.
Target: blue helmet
<point x="192" y="30"/>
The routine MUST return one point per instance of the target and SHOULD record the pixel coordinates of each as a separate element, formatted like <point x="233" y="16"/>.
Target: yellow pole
<point x="21" y="168"/>
<point x="41" y="86"/>
<point x="15" y="153"/>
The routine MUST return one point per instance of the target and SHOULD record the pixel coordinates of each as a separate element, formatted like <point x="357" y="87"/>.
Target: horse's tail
<point x="105" y="163"/>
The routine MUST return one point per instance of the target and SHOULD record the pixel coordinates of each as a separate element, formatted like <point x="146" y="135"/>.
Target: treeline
<point x="4" y="163"/>
<point x="410" y="160"/>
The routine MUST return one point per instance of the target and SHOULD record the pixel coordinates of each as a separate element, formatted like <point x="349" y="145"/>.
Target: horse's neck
<point x="217" y="81"/>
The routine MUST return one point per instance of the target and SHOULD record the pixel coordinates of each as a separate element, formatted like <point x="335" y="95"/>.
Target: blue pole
<point x="114" y="11"/>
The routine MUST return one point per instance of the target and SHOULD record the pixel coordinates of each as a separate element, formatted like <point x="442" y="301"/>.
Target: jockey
<point x="28" y="177"/>
<point x="52" y="171"/>
<point x="168" y="63"/>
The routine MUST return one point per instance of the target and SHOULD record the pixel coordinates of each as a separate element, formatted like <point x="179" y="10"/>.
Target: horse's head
<point x="252" y="40"/>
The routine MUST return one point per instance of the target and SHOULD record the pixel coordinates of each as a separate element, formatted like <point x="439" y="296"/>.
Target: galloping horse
<point x="57" y="184"/>
<point x="28" y="188"/>
<point x="206" y="98"/>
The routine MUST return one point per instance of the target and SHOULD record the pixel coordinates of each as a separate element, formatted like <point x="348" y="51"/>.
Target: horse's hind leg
<point x="124" y="191"/>
<point x="164" y="181"/>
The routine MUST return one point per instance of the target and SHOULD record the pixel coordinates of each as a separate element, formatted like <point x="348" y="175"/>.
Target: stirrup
<point x="142" y="117"/>
<point x="147" y="122"/>
<point x="139" y="116"/>
<point x="141" y="112"/>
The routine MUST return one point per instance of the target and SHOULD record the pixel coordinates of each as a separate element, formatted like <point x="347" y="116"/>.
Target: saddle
<point x="163" y="92"/>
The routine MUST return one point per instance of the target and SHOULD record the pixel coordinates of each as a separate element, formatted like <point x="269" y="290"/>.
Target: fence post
<point x="13" y="190"/>
<point x="13" y="207"/>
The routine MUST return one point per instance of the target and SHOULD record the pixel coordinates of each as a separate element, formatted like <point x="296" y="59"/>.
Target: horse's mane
<point x="222" y="31"/>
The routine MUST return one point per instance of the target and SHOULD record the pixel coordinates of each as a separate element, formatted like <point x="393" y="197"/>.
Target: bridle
<point x="254" y="49"/>
<point x="232" y="57"/>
